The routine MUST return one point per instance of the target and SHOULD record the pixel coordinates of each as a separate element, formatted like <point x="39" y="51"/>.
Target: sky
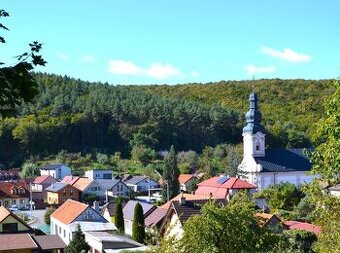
<point x="177" y="41"/>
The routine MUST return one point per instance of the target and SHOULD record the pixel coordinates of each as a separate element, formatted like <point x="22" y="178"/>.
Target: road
<point x="39" y="222"/>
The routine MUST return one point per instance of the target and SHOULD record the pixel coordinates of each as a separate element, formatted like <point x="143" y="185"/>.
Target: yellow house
<point x="12" y="224"/>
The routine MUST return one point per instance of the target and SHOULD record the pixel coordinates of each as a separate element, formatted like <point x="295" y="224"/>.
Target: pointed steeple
<point x="253" y="117"/>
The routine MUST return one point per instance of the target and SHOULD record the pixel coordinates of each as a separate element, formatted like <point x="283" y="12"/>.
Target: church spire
<point x="253" y="117"/>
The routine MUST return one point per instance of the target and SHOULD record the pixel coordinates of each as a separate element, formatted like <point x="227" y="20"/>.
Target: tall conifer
<point x="138" y="230"/>
<point x="170" y="175"/>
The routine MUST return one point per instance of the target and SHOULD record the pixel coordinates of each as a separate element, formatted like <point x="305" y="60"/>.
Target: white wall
<point x="58" y="228"/>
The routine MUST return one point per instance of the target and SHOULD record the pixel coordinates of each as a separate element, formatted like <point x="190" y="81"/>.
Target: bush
<point x="47" y="216"/>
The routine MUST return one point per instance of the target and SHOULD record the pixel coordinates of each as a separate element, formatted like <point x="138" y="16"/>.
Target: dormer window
<point x="14" y="191"/>
<point x="21" y="191"/>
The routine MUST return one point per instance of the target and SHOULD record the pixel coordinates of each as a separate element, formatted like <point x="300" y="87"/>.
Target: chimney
<point x="182" y="200"/>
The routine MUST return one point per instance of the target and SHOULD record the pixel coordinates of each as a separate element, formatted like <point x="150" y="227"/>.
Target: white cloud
<point x="62" y="56"/>
<point x="88" y="59"/>
<point x="251" y="69"/>
<point x="156" y="70"/>
<point x="286" y="55"/>
<point x="162" y="71"/>
<point x="119" y="67"/>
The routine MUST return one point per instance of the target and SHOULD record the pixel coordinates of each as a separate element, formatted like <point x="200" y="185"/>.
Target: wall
<point x="174" y="227"/>
<point x="11" y="219"/>
<point x="120" y="189"/>
<point x="58" y="228"/>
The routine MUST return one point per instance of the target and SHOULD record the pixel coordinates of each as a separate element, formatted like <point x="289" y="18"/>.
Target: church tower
<point x="253" y="132"/>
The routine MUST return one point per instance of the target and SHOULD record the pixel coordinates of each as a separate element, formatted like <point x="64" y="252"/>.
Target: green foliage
<point x="170" y="175"/>
<point x="326" y="158"/>
<point x="16" y="82"/>
<point x="138" y="229"/>
<point x="47" y="215"/>
<point x="142" y="154"/>
<point x="304" y="211"/>
<point x="223" y="229"/>
<point x="90" y="198"/>
<point x="78" y="243"/>
<point x="30" y="169"/>
<point x="282" y="196"/>
<point x="119" y="219"/>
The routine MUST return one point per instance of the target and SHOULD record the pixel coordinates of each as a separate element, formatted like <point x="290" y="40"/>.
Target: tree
<point x="30" y="169"/>
<point x="16" y="82"/>
<point x="138" y="229"/>
<point x="47" y="216"/>
<point x="326" y="162"/>
<point x="170" y="175"/>
<point x="231" y="229"/>
<point x="119" y="219"/>
<point x="78" y="243"/>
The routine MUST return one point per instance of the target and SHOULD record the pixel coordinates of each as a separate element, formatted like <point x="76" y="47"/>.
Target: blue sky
<point x="177" y="41"/>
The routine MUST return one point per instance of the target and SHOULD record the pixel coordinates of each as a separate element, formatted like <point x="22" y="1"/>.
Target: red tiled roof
<point x="69" y="211"/>
<point x="70" y="180"/>
<point x="82" y="183"/>
<point x="296" y="225"/>
<point x="231" y="183"/>
<point x="44" y="178"/>
<point x="183" y="178"/>
<point x="7" y="187"/>
<point x="16" y="242"/>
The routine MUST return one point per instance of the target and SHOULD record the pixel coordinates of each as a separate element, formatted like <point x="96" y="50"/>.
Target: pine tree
<point x="170" y="175"/>
<point x="78" y="243"/>
<point x="119" y="219"/>
<point x="138" y="230"/>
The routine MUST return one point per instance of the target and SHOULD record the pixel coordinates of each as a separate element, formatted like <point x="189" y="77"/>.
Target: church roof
<point x="253" y="117"/>
<point x="284" y="160"/>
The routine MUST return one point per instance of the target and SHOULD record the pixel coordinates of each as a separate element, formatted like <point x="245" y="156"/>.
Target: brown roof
<point x="48" y="242"/>
<point x="264" y="218"/>
<point x="16" y="242"/>
<point x="189" y="197"/>
<point x="69" y="211"/>
<point x="82" y="183"/>
<point x="155" y="218"/>
<point x="183" y="178"/>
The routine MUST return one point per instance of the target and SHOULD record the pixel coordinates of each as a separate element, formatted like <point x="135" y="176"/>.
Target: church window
<point x="257" y="147"/>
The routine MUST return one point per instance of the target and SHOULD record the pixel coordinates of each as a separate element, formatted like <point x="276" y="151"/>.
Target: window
<point x="118" y="188"/>
<point x="59" y="230"/>
<point x="107" y="176"/>
<point x="64" y="233"/>
<point x="10" y="227"/>
<point x="21" y="191"/>
<point x="257" y="147"/>
<point x="71" y="192"/>
<point x="64" y="192"/>
<point x="55" y="229"/>
<point x="97" y="176"/>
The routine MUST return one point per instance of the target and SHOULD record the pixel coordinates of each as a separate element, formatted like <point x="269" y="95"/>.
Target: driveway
<point x="39" y="222"/>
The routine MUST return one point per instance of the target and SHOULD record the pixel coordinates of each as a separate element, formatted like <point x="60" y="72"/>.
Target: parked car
<point x="13" y="208"/>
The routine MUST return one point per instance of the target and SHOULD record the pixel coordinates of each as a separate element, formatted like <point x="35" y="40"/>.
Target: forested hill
<point x="79" y="116"/>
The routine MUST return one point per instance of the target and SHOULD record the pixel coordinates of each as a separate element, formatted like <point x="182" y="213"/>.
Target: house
<point x="49" y="243"/>
<point x="99" y="174"/>
<point x="59" y="192"/>
<point x="128" y="213"/>
<point x="141" y="184"/>
<point x="109" y="210"/>
<point x="69" y="179"/>
<point x="177" y="214"/>
<point x="14" y="193"/>
<point x="111" y="242"/>
<point x="264" y="167"/>
<point x="9" y="175"/>
<point x="11" y="223"/>
<point x="155" y="219"/>
<point x="222" y="186"/>
<point x="40" y="185"/>
<point x="187" y="182"/>
<point x="88" y="187"/>
<point x="56" y="170"/>
<point x="271" y="221"/>
<point x="114" y="188"/>
<point x="334" y="190"/>
<point x="297" y="225"/>
<point x="65" y="220"/>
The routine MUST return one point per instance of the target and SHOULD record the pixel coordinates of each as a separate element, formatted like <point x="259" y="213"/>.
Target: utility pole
<point x="31" y="198"/>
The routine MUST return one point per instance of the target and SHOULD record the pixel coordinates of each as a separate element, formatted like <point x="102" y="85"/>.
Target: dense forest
<point x="79" y="116"/>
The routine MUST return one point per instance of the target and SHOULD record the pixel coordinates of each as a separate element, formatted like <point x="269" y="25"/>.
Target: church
<point x="264" y="167"/>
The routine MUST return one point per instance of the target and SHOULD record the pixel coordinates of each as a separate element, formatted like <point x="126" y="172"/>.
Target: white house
<point x="89" y="186"/>
<point x="99" y="174"/>
<point x="264" y="167"/>
<point x="56" y="170"/>
<point x="65" y="220"/>
<point x="142" y="184"/>
<point x="114" y="188"/>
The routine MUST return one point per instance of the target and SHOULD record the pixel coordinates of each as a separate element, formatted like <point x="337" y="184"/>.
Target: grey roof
<point x="111" y="207"/>
<point x="136" y="179"/>
<point x="253" y="117"/>
<point x="284" y="160"/>
<point x="55" y="187"/>
<point x="129" y="209"/>
<point x="48" y="242"/>
<point x="51" y="166"/>
<point x="156" y="217"/>
<point x="107" y="183"/>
